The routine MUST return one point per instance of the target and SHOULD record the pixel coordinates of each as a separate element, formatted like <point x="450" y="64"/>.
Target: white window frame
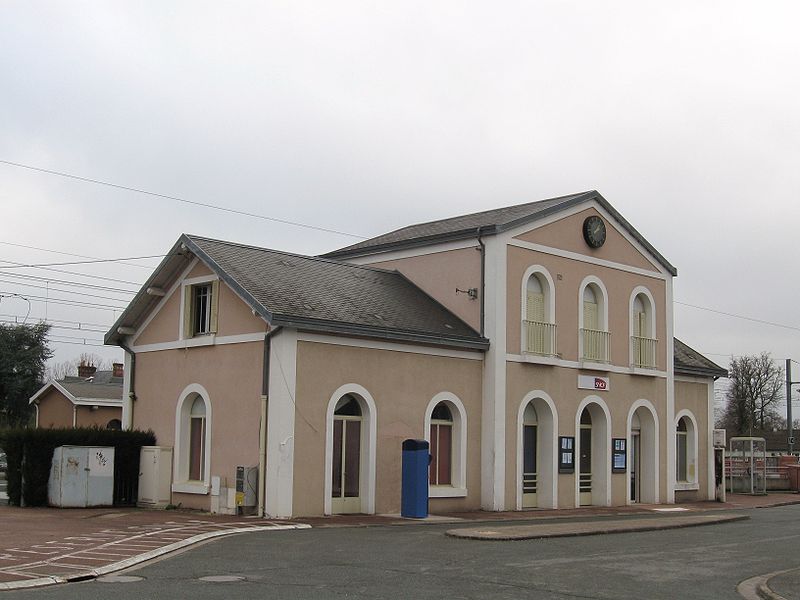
<point x="458" y="486"/>
<point x="369" y="419"/>
<point x="180" y="481"/>
<point x="692" y="480"/>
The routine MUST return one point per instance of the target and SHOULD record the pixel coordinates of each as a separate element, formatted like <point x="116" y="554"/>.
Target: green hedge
<point x="30" y="454"/>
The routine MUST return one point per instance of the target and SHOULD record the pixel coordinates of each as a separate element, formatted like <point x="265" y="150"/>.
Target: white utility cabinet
<point x="155" y="476"/>
<point x="81" y="476"/>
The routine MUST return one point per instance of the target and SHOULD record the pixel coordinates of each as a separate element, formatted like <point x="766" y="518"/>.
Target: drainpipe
<point x="262" y="430"/>
<point x="483" y="278"/>
<point x="128" y="424"/>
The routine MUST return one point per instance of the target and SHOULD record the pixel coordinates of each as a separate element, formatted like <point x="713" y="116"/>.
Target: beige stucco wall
<point x="234" y="316"/>
<point x="693" y="396"/>
<point x="401" y="384"/>
<point x="440" y="273"/>
<point x="87" y="417"/>
<point x="567" y="234"/>
<point x="567" y="275"/>
<point x="55" y="410"/>
<point x="562" y="386"/>
<point x="232" y="376"/>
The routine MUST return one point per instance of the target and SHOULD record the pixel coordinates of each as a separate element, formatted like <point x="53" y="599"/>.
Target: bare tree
<point x="58" y="371"/>
<point x="754" y="392"/>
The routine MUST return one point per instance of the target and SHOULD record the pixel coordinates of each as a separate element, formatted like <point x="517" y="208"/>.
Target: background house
<point x="93" y="398"/>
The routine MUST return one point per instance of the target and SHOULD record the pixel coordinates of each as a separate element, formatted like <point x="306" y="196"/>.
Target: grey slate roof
<point x="690" y="362"/>
<point x="296" y="290"/>
<point x="489" y="222"/>
<point x="101" y="386"/>
<point x="314" y="294"/>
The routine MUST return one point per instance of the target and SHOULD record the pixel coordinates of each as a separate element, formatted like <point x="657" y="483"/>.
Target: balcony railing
<point x="540" y="338"/>
<point x="595" y="345"/>
<point x="644" y="352"/>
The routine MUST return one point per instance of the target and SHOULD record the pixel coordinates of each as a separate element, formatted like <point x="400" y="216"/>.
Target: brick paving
<point x="46" y="545"/>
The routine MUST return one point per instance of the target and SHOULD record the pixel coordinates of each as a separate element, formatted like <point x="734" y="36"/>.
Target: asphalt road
<point x="419" y="561"/>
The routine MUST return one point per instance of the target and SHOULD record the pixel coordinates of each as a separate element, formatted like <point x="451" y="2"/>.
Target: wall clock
<point x="594" y="231"/>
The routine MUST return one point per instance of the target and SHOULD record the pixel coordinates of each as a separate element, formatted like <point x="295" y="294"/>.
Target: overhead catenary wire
<point x="62" y="301"/>
<point x="78" y="262"/>
<point x="179" y="199"/>
<point x="59" y="290"/>
<point x="67" y="253"/>
<point x="49" y="320"/>
<point x="135" y="283"/>
<point x="80" y="284"/>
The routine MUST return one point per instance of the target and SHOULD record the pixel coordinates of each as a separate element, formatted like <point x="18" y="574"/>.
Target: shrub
<point x="30" y="453"/>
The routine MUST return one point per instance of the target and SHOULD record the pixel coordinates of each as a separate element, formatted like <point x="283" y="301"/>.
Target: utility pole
<point x="789" y="403"/>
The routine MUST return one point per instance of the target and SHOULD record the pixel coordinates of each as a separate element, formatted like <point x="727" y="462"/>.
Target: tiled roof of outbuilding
<point x="690" y="362"/>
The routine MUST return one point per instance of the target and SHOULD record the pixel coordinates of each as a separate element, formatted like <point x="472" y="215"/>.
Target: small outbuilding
<point x="94" y="398"/>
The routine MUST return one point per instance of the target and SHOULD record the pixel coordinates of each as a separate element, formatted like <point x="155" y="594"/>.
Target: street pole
<point x="789" y="405"/>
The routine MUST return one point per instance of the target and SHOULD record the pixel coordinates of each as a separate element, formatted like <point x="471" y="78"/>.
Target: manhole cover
<point x="222" y="578"/>
<point x="119" y="578"/>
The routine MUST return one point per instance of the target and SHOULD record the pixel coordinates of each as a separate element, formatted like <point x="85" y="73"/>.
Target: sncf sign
<point x="589" y="382"/>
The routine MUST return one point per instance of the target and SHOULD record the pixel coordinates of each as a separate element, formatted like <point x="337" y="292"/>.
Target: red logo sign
<point x="600" y="384"/>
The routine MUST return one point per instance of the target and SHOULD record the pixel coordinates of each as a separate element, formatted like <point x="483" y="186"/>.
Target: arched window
<point x="594" y="335"/>
<point x="643" y="342"/>
<point x="192" y="441"/>
<point x="682" y="450"/>
<point x="441" y="467"/>
<point x="446" y="431"/>
<point x="114" y="424"/>
<point x="538" y="308"/>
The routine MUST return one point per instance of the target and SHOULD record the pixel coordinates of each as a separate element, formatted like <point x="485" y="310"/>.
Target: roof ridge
<point x="476" y="213"/>
<point x="292" y="254"/>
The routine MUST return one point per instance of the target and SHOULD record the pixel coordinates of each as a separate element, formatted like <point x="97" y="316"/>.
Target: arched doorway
<point x="592" y="449"/>
<point x="643" y="453"/>
<point x="536" y="452"/>
<point x="346" y="463"/>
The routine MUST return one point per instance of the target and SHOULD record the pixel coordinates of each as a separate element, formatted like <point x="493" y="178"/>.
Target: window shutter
<point x="641" y="321"/>
<point x="535" y="307"/>
<point x="188" y="301"/>
<point x="590" y="315"/>
<point x="214" y="305"/>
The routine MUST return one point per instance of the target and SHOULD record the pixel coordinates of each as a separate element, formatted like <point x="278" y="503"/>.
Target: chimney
<point x="117" y="370"/>
<point x="85" y="371"/>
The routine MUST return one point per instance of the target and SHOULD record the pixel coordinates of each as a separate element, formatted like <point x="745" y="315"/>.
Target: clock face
<point x="594" y="231"/>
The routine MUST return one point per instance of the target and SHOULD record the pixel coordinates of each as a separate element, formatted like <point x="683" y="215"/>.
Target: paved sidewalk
<point x="42" y="546"/>
<point x="491" y="532"/>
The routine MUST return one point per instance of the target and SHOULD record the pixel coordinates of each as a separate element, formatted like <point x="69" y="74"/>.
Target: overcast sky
<point x="365" y="117"/>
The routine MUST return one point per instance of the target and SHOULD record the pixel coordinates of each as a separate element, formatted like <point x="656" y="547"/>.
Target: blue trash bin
<point x="414" y="502"/>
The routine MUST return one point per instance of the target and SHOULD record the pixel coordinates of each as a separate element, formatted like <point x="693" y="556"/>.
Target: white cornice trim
<point x="206" y="340"/>
<point x="592" y="203"/>
<point x="412" y="252"/>
<point x="584" y="258"/>
<point x="98" y="402"/>
<point x="388" y="346"/>
<point x="583" y="366"/>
